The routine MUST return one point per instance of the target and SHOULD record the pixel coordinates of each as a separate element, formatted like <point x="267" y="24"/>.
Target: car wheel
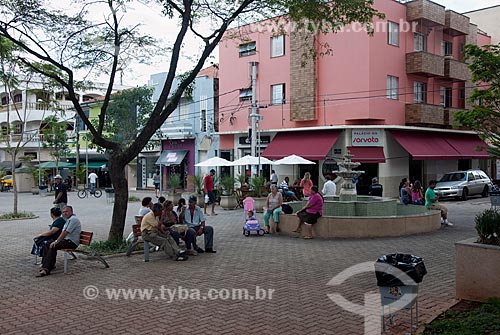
<point x="465" y="194"/>
<point x="261" y="232"/>
<point x="485" y="192"/>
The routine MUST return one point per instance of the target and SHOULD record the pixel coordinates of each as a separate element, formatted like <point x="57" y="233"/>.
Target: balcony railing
<point x="456" y="24"/>
<point x="428" y="12"/>
<point x="423" y="114"/>
<point x="456" y="70"/>
<point x="425" y="64"/>
<point x="42" y="106"/>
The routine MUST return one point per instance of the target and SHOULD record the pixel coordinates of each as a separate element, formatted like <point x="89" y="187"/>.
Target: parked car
<point x="6" y="182"/>
<point x="462" y="184"/>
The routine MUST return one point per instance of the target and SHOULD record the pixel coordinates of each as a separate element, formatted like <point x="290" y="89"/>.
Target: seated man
<point x="154" y="232"/>
<point x="68" y="239"/>
<point x="431" y="202"/>
<point x="195" y="220"/>
<point x="43" y="240"/>
<point x="284" y="189"/>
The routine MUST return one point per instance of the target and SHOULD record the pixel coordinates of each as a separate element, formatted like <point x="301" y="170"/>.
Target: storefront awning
<point x="439" y="146"/>
<point x="97" y="165"/>
<point x="171" y="157"/>
<point x="367" y="154"/>
<point x="312" y="145"/>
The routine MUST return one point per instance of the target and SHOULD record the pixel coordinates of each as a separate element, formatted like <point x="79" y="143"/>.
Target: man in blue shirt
<point x="195" y="220"/>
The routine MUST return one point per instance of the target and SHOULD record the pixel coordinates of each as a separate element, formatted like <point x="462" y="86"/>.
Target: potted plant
<point x="198" y="188"/>
<point x="227" y="199"/>
<point x="259" y="194"/>
<point x="480" y="280"/>
<point x="175" y="183"/>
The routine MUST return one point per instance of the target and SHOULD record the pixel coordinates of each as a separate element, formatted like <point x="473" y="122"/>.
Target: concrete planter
<point x="477" y="270"/>
<point x="228" y="202"/>
<point x="259" y="204"/>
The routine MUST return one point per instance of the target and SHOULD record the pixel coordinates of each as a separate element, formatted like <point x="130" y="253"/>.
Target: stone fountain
<point x="348" y="189"/>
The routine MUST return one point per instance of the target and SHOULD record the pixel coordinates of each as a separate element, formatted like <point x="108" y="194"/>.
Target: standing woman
<point x="310" y="213"/>
<point x="306" y="184"/>
<point x="273" y="204"/>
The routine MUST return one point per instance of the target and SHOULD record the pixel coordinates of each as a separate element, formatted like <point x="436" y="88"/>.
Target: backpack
<point x="287" y="209"/>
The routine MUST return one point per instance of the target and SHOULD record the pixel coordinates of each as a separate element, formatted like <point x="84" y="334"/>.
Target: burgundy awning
<point x="367" y="154"/>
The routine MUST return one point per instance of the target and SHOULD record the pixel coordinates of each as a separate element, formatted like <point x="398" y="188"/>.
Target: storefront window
<point x="328" y="167"/>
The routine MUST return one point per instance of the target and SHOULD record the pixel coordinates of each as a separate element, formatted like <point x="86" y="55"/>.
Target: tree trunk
<point x="14" y="186"/>
<point x="120" y="185"/>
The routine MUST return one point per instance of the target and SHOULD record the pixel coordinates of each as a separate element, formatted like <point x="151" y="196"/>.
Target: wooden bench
<point x="136" y="230"/>
<point x="85" y="239"/>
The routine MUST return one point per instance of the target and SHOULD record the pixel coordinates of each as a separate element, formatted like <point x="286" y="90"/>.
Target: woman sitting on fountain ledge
<point x="311" y="212"/>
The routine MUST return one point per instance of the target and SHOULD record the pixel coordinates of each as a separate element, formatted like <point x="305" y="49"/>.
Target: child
<point x="250" y="215"/>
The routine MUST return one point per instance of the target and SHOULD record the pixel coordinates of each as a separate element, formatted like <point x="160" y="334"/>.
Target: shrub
<point x="110" y="247"/>
<point x="133" y="198"/>
<point x="227" y="183"/>
<point x="19" y="215"/>
<point x="488" y="226"/>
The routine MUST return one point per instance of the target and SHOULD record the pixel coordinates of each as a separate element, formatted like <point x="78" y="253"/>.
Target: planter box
<point x="228" y="202"/>
<point x="477" y="270"/>
<point x="259" y="204"/>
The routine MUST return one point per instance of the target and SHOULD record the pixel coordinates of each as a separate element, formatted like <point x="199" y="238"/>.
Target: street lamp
<point x="86" y="132"/>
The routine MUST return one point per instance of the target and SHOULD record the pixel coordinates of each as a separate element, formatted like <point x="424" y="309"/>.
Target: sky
<point x="154" y="24"/>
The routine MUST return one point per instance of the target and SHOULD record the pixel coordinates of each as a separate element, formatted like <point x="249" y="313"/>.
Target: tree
<point x="56" y="138"/>
<point x="485" y="115"/>
<point x="57" y="44"/>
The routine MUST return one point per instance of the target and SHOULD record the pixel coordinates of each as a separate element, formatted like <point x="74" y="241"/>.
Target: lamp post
<point x="86" y="155"/>
<point x="39" y="162"/>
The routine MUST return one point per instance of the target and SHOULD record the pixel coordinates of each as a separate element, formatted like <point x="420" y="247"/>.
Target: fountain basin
<point x="367" y="217"/>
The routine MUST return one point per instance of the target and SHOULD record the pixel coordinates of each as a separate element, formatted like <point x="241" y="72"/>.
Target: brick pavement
<point x="297" y="270"/>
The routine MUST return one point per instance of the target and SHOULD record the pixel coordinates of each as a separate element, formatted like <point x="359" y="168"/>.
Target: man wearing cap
<point x="61" y="193"/>
<point x="375" y="189"/>
<point x="195" y="220"/>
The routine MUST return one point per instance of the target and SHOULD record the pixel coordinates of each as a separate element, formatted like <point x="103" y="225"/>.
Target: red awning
<point x="367" y="154"/>
<point x="469" y="146"/>
<point x="439" y="146"/>
<point x="312" y="145"/>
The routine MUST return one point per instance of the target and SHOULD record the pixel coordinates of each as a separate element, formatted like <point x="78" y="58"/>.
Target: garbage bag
<point x="387" y="275"/>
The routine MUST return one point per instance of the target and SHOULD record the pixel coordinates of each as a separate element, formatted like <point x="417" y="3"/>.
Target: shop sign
<point x="366" y="138"/>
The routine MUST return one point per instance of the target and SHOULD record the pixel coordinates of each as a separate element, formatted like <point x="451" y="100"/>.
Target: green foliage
<point x="175" y="181"/>
<point x="133" y="198"/>
<point x="18" y="215"/>
<point x="227" y="183"/>
<point x="110" y="247"/>
<point x="241" y="179"/>
<point x="485" y="115"/>
<point x="55" y="137"/>
<point x="198" y="184"/>
<point x="80" y="173"/>
<point x="256" y="184"/>
<point x="481" y="320"/>
<point x="488" y="226"/>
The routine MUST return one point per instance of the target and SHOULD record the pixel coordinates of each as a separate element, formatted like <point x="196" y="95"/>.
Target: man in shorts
<point x="208" y="189"/>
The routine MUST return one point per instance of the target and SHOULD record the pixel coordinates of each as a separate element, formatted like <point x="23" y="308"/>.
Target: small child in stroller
<point x="252" y="224"/>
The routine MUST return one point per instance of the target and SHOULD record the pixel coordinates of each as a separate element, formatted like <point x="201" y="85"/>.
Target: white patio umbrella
<point x="214" y="161"/>
<point x="293" y="160"/>
<point x="251" y="160"/>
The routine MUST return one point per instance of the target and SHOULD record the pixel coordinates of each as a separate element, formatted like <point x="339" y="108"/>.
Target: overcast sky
<point x="160" y="27"/>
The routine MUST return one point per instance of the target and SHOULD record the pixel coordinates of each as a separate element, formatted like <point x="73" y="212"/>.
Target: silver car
<point x="461" y="184"/>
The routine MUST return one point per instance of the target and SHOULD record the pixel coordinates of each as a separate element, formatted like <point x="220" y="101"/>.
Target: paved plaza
<point x="286" y="279"/>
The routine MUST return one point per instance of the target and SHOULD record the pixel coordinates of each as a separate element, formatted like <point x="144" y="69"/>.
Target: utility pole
<point x="254" y="115"/>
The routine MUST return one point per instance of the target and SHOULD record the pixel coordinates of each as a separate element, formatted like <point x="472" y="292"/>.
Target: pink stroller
<point x="248" y="205"/>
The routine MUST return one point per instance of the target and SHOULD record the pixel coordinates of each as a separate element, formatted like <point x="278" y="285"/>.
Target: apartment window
<point x="392" y="87"/>
<point x="5" y="100"/>
<point x="419" y="92"/>
<point x="248" y="49"/>
<point x="277" y="46"/>
<point x="419" y="42"/>
<point x="246" y="94"/>
<point x="18" y="98"/>
<point x="446" y="48"/>
<point x="4" y="129"/>
<point x="17" y="128"/>
<point x="184" y="109"/>
<point x="393" y="33"/>
<point x="278" y="94"/>
<point x="203" y="120"/>
<point x="445" y="96"/>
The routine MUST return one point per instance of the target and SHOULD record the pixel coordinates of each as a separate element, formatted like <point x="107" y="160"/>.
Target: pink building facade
<point x="388" y="98"/>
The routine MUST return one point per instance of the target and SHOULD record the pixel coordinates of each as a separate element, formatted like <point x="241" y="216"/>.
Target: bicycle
<point x="85" y="193"/>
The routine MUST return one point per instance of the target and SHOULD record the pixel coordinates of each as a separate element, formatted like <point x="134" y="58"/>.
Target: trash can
<point x="399" y="293"/>
<point x="110" y="194"/>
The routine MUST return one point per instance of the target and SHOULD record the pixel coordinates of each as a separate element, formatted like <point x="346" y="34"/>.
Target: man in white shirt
<point x="274" y="178"/>
<point x="93" y="182"/>
<point x="330" y="188"/>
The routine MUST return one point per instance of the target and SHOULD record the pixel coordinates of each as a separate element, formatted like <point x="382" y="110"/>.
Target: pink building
<point x="388" y="98"/>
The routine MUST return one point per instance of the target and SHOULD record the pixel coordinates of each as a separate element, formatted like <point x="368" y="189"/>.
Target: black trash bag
<point x="412" y="265"/>
<point x="287" y="209"/>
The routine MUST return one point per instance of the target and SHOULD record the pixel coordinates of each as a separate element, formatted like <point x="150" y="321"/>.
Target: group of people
<point x="164" y="225"/>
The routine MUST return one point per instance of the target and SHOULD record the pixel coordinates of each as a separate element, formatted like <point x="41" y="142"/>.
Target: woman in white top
<point x="273" y="205"/>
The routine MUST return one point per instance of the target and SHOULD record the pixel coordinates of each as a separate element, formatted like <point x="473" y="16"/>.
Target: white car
<point x="462" y="184"/>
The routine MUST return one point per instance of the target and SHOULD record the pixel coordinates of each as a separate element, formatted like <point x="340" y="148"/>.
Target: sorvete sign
<point x="366" y="138"/>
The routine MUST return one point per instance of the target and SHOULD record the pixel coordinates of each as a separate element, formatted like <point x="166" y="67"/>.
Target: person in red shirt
<point x="208" y="189"/>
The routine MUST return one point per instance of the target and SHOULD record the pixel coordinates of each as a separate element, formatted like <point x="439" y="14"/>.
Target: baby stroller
<point x="251" y="224"/>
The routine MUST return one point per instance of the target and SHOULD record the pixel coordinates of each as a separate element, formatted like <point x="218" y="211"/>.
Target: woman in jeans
<point x="273" y="205"/>
<point x="310" y="213"/>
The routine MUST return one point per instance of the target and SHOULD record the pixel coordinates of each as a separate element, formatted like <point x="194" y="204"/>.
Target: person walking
<point x="61" y="193"/>
<point x="156" y="182"/>
<point x="208" y="189"/>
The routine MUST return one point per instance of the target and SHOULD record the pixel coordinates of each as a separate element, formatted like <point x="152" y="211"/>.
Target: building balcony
<point x="13" y="107"/>
<point x="449" y="118"/>
<point x="423" y="114"/>
<point x="429" y="13"/>
<point x="63" y="105"/>
<point x="424" y="64"/>
<point x="456" y="70"/>
<point x="456" y="24"/>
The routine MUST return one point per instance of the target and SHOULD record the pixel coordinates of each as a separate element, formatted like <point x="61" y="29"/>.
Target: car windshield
<point x="458" y="176"/>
